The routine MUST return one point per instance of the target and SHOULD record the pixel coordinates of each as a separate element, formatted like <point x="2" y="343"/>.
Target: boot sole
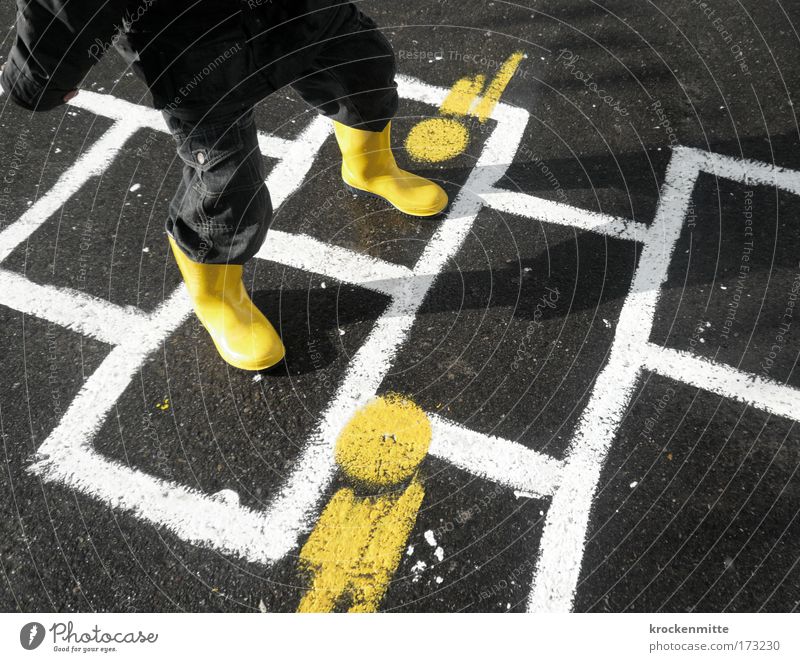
<point x="252" y="366"/>
<point x="370" y="194"/>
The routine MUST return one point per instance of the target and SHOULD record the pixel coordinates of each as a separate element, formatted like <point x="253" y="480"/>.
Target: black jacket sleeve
<point x="57" y="43"/>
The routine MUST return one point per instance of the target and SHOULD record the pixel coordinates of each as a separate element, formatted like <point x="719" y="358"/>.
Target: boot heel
<point x="362" y="193"/>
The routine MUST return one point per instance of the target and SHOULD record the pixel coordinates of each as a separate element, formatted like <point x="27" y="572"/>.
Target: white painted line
<point x="71" y="309"/>
<point x="68" y="456"/>
<point x="273" y="146"/>
<point x="550" y="211"/>
<point x="189" y="514"/>
<point x="746" y="171"/>
<point x="292" y="512"/>
<point x="91" y="163"/>
<point x="414" y="88"/>
<point x="724" y="380"/>
<point x="106" y="385"/>
<point x="564" y="534"/>
<point x="308" y="254"/>
<point x="119" y="110"/>
<point x="296" y="160"/>
<point x="492" y="458"/>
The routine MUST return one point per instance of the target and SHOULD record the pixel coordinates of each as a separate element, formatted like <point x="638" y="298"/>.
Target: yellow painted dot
<point x="437" y="139"/>
<point x="384" y="442"/>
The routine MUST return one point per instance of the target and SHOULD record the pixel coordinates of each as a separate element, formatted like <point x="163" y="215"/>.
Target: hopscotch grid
<point x="67" y="456"/>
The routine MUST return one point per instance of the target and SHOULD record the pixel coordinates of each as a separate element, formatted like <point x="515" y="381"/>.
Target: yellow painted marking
<point x="163" y="406"/>
<point x="384" y="442"/>
<point x="497" y="87"/>
<point x="438" y="139"/>
<point x="462" y="96"/>
<point x="356" y="546"/>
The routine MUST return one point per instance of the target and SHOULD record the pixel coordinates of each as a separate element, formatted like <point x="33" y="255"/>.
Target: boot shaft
<point x="365" y="154"/>
<point x="207" y="280"/>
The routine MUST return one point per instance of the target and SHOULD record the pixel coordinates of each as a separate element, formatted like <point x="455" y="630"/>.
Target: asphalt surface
<point x="696" y="507"/>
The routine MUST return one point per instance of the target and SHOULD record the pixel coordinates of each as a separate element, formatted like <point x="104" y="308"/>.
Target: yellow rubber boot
<point x="241" y="333"/>
<point x="368" y="166"/>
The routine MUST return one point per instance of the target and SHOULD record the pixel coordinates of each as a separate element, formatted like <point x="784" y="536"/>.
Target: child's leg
<point x="351" y="80"/>
<point x="222" y="210"/>
<point x="217" y="221"/>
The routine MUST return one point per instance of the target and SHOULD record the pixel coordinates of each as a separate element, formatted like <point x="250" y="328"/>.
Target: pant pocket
<point x="233" y="211"/>
<point x="224" y="158"/>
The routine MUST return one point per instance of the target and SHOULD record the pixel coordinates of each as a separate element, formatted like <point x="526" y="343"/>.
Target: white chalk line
<point x="119" y="110"/>
<point x="91" y="163"/>
<point x="71" y="309"/>
<point x="492" y="458"/>
<point x="296" y="161"/>
<point x="745" y="171"/>
<point x="563" y="537"/>
<point x="748" y="388"/>
<point x="328" y="260"/>
<point x="550" y="211"/>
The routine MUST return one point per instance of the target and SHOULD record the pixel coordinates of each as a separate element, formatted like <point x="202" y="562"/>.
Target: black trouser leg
<point x="351" y="79"/>
<point x="221" y="211"/>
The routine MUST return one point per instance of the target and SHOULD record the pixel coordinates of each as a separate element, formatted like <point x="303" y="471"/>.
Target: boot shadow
<point x="309" y="320"/>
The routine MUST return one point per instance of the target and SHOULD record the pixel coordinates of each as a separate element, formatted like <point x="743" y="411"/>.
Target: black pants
<point x="221" y="211"/>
